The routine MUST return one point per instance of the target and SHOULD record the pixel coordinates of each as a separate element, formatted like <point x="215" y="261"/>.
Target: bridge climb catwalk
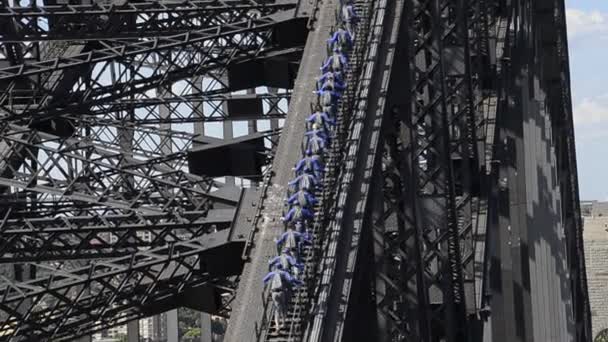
<point x="147" y="155"/>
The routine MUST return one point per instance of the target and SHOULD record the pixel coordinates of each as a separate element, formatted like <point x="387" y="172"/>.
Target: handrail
<point x="257" y="216"/>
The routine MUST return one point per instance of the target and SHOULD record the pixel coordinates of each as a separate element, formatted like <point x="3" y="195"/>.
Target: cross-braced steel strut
<point x="238" y="42"/>
<point x="260" y="106"/>
<point x="91" y="235"/>
<point x="62" y="305"/>
<point x="112" y="178"/>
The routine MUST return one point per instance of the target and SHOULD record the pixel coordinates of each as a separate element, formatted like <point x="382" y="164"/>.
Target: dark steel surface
<point x="97" y="20"/>
<point x="453" y="214"/>
<point x="106" y="174"/>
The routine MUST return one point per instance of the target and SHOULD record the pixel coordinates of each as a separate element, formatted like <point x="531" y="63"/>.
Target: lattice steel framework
<point x="448" y="237"/>
<point x="433" y="235"/>
<point x="102" y="109"/>
<point x="71" y="303"/>
<point x="441" y="178"/>
<point x="128" y="20"/>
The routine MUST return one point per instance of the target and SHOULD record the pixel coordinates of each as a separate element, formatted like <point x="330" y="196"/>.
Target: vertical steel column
<point x="461" y="39"/>
<point x="125" y="134"/>
<point x="252" y="125"/>
<point x="199" y="107"/>
<point x="405" y="295"/>
<point x="133" y="331"/>
<point x="381" y="286"/>
<point x="206" y="332"/>
<point x="227" y="126"/>
<point x="571" y="201"/>
<point x="432" y="136"/>
<point x="172" y="326"/>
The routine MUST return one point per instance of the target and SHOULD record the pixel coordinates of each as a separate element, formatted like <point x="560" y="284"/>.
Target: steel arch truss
<point x="146" y="65"/>
<point x="64" y="305"/>
<point x="102" y="110"/>
<point x="75" y="199"/>
<point x="130" y="20"/>
<point x="430" y="170"/>
<point x="206" y="106"/>
<point x="72" y="169"/>
<point x="92" y="235"/>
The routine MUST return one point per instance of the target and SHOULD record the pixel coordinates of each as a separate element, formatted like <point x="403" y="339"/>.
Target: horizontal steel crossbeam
<point x="62" y="305"/>
<point x="273" y="107"/>
<point x="104" y="176"/>
<point x="129" y="20"/>
<point x="238" y="42"/>
<point x="103" y="236"/>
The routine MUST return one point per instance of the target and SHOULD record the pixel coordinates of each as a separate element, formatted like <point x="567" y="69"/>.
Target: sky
<point x="587" y="22"/>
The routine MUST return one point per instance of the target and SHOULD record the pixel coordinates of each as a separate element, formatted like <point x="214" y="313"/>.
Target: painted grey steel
<point x="455" y="215"/>
<point x="133" y="331"/>
<point x="206" y="332"/>
<point x="172" y="326"/>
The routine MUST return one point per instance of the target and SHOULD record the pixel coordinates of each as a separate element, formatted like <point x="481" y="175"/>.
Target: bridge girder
<point x="435" y="224"/>
<point x="97" y="21"/>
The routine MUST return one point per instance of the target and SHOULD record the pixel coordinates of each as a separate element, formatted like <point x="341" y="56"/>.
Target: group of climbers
<point x="286" y="268"/>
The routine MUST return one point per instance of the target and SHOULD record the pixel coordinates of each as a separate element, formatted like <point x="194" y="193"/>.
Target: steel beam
<point x="131" y="19"/>
<point x="103" y="236"/>
<point x="201" y="107"/>
<point x="569" y="184"/>
<point x="65" y="305"/>
<point x="238" y="42"/>
<point x="101" y="168"/>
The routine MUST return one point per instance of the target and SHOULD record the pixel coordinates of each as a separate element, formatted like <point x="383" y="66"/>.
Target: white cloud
<point x="591" y="111"/>
<point x="585" y="23"/>
<point x="591" y="119"/>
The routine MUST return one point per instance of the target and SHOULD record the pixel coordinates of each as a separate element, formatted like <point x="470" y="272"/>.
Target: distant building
<point x="111" y="335"/>
<point x="595" y="235"/>
<point x="594" y="209"/>
<point x="151" y="329"/>
<point x="146" y="329"/>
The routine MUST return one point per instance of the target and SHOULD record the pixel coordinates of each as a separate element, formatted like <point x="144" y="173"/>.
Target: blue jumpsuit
<point x="337" y="76"/>
<point x="310" y="164"/>
<point x="315" y="145"/>
<point x="328" y="98"/>
<point x="303" y="198"/>
<point x="293" y="241"/>
<point x="336" y="62"/>
<point x="286" y="262"/>
<point x="304" y="181"/>
<point x="321" y="133"/>
<point x="349" y="17"/>
<point x="279" y="292"/>
<point x="322" y="119"/>
<point x="297" y="213"/>
<point x="341" y="40"/>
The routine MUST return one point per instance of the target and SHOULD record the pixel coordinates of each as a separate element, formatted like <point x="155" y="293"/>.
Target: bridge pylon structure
<point x="146" y="147"/>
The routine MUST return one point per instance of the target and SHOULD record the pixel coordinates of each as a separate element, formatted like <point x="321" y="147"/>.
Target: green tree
<point x="602" y="336"/>
<point x="188" y="319"/>
<point x="192" y="334"/>
<point x="121" y="338"/>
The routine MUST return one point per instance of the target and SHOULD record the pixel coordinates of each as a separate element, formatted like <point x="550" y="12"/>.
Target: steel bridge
<point x="145" y="147"/>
